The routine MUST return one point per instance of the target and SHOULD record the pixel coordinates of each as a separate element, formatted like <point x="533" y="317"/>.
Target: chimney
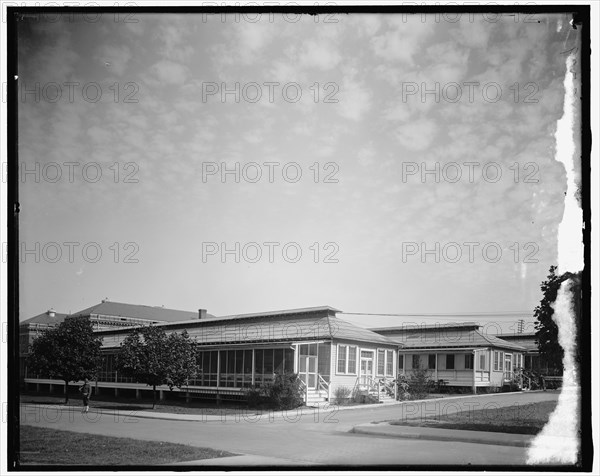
<point x="201" y="313"/>
<point x="51" y="312"/>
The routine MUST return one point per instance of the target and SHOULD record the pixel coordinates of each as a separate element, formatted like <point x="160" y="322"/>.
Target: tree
<point x="151" y="356"/>
<point x="69" y="352"/>
<point x="546" y="327"/>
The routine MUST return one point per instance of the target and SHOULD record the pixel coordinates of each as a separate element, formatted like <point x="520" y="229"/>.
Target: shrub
<point x="285" y="392"/>
<point x="342" y="393"/>
<point x="254" y="395"/>
<point x="420" y="383"/>
<point x="403" y="388"/>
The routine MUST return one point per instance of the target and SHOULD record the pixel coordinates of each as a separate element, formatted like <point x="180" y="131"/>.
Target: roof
<point x="138" y="311"/>
<point x="290" y="326"/>
<point x="45" y="318"/>
<point x="411" y="326"/>
<point x="446" y="337"/>
<point x="528" y="340"/>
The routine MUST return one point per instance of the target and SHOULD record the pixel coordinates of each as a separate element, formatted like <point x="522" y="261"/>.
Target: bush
<point x="285" y="392"/>
<point x="420" y="383"/>
<point x="403" y="388"/>
<point x="342" y="393"/>
<point x="255" y="396"/>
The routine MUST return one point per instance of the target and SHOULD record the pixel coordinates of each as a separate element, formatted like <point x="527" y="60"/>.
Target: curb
<point x="463" y="436"/>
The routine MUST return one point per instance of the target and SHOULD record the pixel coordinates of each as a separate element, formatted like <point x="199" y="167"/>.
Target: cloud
<point x="403" y="40"/>
<point x="417" y="135"/>
<point x="319" y="55"/>
<point x="117" y="57"/>
<point x="169" y="72"/>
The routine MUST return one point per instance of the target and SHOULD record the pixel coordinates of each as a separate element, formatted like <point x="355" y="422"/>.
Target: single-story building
<point x="458" y="354"/>
<point x="238" y="351"/>
<point x="532" y="359"/>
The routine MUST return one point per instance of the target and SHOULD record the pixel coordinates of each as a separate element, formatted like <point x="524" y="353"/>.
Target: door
<point x="508" y="366"/>
<point x="307" y="370"/>
<point x="366" y="366"/>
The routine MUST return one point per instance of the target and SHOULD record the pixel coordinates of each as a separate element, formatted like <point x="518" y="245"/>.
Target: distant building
<point x="533" y="360"/>
<point x="458" y="355"/>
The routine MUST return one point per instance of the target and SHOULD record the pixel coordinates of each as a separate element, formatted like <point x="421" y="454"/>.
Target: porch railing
<point x="324" y="384"/>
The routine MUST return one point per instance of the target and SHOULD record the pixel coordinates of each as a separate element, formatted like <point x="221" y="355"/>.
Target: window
<point x="431" y="361"/>
<point x="352" y="360"/>
<point x="380" y="361"/>
<point x="496" y="360"/>
<point x="400" y="362"/>
<point x="342" y="359"/>
<point x="450" y="361"/>
<point x="416" y="361"/>
<point x="469" y="361"/>
<point x="482" y="361"/>
<point x="501" y="360"/>
<point x="389" y="364"/>
<point x="346" y="359"/>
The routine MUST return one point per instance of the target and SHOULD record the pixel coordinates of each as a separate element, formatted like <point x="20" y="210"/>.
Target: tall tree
<point x="546" y="327"/>
<point x="151" y="356"/>
<point x="69" y="352"/>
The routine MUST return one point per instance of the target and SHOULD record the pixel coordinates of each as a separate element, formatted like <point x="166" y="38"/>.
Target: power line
<point x="441" y="316"/>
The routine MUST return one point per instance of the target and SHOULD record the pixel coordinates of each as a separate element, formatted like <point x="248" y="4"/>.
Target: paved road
<point x="312" y="438"/>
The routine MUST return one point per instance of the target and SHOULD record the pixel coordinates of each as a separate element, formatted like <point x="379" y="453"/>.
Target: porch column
<point x="474" y="375"/>
<point x="161" y="394"/>
<point x="436" y="368"/>
<point x="253" y="368"/>
<point x="218" y="368"/>
<point x="296" y="358"/>
<point x="138" y="393"/>
<point x="116" y="392"/>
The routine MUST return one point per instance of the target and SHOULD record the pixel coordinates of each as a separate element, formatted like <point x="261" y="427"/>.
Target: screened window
<point x="469" y="361"/>
<point x="496" y="360"/>
<point x="431" y="361"/>
<point x="450" y="361"/>
<point x="416" y="361"/>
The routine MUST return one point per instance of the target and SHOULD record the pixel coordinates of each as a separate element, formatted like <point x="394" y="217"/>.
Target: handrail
<point x="322" y="383"/>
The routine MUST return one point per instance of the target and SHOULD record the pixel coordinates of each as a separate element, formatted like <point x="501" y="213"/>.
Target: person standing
<point x="86" y="391"/>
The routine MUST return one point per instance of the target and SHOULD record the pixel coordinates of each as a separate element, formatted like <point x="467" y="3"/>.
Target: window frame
<point x="429" y="360"/>
<point x="346" y="359"/>
<point x="381" y="362"/>
<point x="389" y="360"/>
<point x="453" y="362"/>
<point x="472" y="359"/>
<point x="482" y="356"/>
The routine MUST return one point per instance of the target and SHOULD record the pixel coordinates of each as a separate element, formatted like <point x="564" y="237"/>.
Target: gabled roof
<point x="468" y="336"/>
<point x="138" y="311"/>
<point x="45" y="318"/>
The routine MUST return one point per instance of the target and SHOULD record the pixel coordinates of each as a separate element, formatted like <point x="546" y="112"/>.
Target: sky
<point x="331" y="122"/>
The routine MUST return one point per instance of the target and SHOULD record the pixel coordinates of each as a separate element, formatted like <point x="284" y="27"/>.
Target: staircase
<point x="381" y="391"/>
<point x="315" y="397"/>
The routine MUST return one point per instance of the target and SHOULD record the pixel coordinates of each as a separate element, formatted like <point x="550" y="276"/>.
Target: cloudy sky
<point x="360" y="105"/>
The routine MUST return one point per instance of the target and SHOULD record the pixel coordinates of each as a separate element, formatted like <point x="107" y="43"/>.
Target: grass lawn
<point x="49" y="446"/>
<point x="195" y="407"/>
<point x="523" y="419"/>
